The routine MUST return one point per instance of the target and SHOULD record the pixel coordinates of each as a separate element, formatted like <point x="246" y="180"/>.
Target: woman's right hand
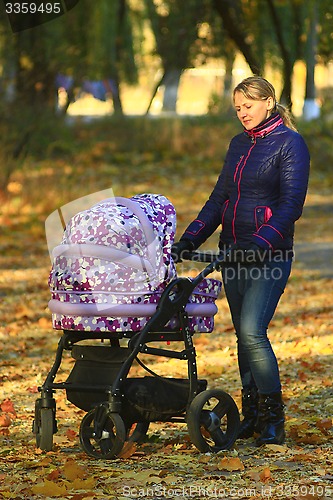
<point x="180" y="249"/>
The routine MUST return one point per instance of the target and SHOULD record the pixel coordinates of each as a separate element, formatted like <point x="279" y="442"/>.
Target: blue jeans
<point x="253" y="292"/>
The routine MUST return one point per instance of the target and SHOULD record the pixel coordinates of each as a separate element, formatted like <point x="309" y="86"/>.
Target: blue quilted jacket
<point x="260" y="192"/>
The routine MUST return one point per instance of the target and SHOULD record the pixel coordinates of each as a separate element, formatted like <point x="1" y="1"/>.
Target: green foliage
<point x="325" y="40"/>
<point x="206" y="137"/>
<point x="175" y="27"/>
<point x="110" y="42"/>
<point x="94" y="40"/>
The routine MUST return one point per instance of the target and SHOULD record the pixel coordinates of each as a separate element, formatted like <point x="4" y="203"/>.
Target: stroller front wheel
<point x="102" y="433"/>
<point x="44" y="428"/>
<point x="213" y="421"/>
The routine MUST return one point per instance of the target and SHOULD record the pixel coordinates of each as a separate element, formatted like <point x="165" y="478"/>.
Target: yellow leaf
<point x="265" y="475"/>
<point x="45" y="461"/>
<point x="73" y="471"/>
<point x="301" y="457"/>
<point x="50" y="489"/>
<point x="83" y="484"/>
<point x="276" y="447"/>
<point x="44" y="323"/>
<point x="230" y="464"/>
<point x="171" y="479"/>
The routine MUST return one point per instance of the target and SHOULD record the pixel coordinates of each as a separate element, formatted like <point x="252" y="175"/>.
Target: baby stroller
<point x="116" y="297"/>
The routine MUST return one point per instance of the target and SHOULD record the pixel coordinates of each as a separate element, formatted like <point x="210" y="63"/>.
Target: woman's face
<point x="251" y="112"/>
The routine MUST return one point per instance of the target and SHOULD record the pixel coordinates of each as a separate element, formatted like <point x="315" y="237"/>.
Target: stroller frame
<point x="106" y="427"/>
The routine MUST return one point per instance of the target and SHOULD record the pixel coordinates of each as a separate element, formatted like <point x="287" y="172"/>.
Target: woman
<point x="258" y="196"/>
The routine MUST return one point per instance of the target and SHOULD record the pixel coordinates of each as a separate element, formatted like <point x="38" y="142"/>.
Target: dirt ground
<point x="167" y="465"/>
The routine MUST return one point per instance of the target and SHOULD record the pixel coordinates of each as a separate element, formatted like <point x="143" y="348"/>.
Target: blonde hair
<point x="260" y="89"/>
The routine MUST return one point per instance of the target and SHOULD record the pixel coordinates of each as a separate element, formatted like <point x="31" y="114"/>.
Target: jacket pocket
<point x="224" y="209"/>
<point x="262" y="214"/>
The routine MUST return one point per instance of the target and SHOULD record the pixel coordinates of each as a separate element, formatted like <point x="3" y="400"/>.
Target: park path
<point x="314" y="236"/>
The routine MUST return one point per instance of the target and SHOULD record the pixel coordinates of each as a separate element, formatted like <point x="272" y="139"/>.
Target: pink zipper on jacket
<point x="238" y="186"/>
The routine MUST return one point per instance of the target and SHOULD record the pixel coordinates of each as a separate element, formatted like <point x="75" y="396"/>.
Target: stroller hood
<point x="118" y="245"/>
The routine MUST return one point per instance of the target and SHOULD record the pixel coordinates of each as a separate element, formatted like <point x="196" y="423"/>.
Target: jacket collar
<point x="265" y="127"/>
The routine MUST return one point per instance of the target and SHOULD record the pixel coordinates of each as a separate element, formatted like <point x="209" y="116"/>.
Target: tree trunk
<point x="171" y="87"/>
<point x="117" y="104"/>
<point x="237" y="33"/>
<point x="286" y="58"/>
<point x="311" y="109"/>
<point x="34" y="85"/>
<point x="158" y="84"/>
<point x="228" y="82"/>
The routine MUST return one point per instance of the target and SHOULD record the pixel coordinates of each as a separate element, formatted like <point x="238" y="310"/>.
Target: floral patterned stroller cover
<point x="113" y="264"/>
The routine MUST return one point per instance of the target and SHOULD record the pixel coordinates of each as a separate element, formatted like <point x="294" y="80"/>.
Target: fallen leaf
<point x="72" y="435"/>
<point x="55" y="474"/>
<point x="73" y="471"/>
<point x="324" y="425"/>
<point x="49" y="489"/>
<point x="44" y="323"/>
<point x="301" y="457"/>
<point x="230" y="464"/>
<point x="276" y="447"/>
<point x="128" y="450"/>
<point x="7" y="406"/>
<point x="83" y="484"/>
<point x="265" y="475"/>
<point x="33" y="389"/>
<point x="5" y="420"/>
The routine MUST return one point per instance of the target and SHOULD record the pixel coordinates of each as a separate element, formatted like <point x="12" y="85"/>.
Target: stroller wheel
<point x="44" y="424"/>
<point x="213" y="421"/>
<point x="138" y="432"/>
<point x="102" y="433"/>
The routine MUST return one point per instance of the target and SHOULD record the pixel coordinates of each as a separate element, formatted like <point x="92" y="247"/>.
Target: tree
<point x="110" y="51"/>
<point x="175" y="27"/>
<point x="234" y="22"/>
<point x="27" y="90"/>
<point x="93" y="40"/>
<point x="287" y="21"/>
<point x="262" y="30"/>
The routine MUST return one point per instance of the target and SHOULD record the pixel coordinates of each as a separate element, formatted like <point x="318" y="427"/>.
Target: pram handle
<point x="215" y="263"/>
<point x="207" y="256"/>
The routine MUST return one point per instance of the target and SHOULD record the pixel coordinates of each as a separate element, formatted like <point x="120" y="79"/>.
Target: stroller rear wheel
<point x="213" y="421"/>
<point x="102" y="433"/>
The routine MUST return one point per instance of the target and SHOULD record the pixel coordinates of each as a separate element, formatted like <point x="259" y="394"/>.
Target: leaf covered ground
<point x="166" y="465"/>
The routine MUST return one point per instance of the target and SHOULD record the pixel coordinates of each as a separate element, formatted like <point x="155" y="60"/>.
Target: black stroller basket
<point x="145" y="399"/>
